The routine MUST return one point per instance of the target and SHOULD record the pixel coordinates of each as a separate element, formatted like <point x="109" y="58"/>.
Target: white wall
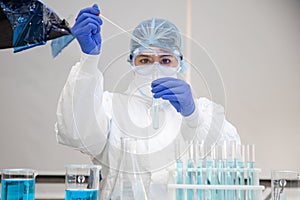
<point x="255" y="46"/>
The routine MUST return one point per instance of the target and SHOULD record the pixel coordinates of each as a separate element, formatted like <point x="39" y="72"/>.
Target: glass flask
<point x="130" y="182"/>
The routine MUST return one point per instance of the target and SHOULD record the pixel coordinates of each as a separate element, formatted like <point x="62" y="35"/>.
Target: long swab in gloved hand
<point x="154" y="109"/>
<point x="128" y="33"/>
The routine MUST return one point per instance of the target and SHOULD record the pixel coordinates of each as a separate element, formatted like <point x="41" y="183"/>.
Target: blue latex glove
<point x="87" y="30"/>
<point x="177" y="91"/>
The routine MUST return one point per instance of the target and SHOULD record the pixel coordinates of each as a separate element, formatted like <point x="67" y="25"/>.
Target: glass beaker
<point x="18" y="184"/>
<point x="82" y="182"/>
<point x="285" y="185"/>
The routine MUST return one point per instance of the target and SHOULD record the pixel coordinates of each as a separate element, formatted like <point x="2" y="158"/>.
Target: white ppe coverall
<point x="93" y="121"/>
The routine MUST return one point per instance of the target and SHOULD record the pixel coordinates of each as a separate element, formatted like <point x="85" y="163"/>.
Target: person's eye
<point x="145" y="61"/>
<point x="165" y="61"/>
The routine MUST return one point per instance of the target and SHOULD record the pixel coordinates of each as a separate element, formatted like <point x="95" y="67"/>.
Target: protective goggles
<point x="143" y="61"/>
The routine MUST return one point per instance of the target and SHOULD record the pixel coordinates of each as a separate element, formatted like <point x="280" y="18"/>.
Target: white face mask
<point x="145" y="75"/>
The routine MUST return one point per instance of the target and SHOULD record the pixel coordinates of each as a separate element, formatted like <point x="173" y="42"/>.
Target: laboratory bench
<point x="50" y="186"/>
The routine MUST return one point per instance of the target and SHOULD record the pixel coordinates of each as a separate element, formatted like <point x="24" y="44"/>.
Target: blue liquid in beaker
<point x="18" y="189"/>
<point x="82" y="194"/>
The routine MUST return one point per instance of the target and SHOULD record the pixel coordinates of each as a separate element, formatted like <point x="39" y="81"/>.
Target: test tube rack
<point x="210" y="191"/>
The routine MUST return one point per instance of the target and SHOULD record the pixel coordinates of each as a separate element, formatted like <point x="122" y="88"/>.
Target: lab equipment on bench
<point x="18" y="184"/>
<point x="130" y="182"/>
<point x="217" y="176"/>
<point x="82" y="182"/>
<point x="285" y="184"/>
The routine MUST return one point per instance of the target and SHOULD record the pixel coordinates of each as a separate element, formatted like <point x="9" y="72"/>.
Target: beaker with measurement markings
<point x="18" y="184"/>
<point x="82" y="182"/>
<point x="285" y="185"/>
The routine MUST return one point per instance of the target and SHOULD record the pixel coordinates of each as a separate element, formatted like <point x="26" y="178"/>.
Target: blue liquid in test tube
<point x="250" y="165"/>
<point x="240" y="171"/>
<point x="199" y="168"/>
<point x="231" y="171"/>
<point x="189" y="179"/>
<point x="190" y="171"/>
<point x="221" y="156"/>
<point x="199" y="179"/>
<point x="85" y="194"/>
<point x="210" y="175"/>
<point x="220" y="179"/>
<point x="179" y="171"/>
<point x="179" y="191"/>
<point x="18" y="189"/>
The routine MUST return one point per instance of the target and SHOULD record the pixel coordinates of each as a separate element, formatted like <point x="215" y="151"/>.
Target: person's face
<point x="156" y="55"/>
<point x="149" y="59"/>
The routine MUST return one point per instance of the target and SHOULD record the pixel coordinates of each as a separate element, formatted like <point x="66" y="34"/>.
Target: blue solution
<point x="18" y="189"/>
<point x="85" y="194"/>
<point x="189" y="180"/>
<point x="230" y="179"/>
<point x="210" y="179"/>
<point x="179" y="192"/>
<point x="220" y="179"/>
<point x="250" y="179"/>
<point x="240" y="180"/>
<point x="199" y="179"/>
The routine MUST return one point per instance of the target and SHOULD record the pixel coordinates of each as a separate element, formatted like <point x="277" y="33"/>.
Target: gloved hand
<point x="177" y="91"/>
<point x="87" y="30"/>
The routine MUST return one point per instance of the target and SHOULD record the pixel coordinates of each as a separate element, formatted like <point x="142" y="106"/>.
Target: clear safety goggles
<point x="145" y="61"/>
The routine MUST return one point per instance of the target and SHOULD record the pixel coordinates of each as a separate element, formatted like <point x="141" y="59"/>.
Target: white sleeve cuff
<point x="89" y="63"/>
<point x="194" y="119"/>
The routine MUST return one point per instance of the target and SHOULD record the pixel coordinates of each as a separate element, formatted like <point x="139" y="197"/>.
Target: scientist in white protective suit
<point x="93" y="121"/>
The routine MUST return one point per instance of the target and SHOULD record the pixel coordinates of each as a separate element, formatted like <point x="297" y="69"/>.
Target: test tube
<point x="250" y="165"/>
<point x="240" y="170"/>
<point x="231" y="171"/>
<point x="210" y="174"/>
<point x="220" y="165"/>
<point x="189" y="172"/>
<point x="179" y="171"/>
<point x="199" y="168"/>
<point x="179" y="192"/>
<point x="155" y="114"/>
